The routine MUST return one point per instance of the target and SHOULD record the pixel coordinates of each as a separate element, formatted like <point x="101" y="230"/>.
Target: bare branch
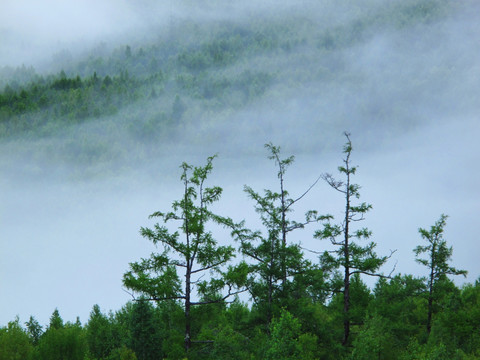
<point x="305" y="193"/>
<point x="208" y="267"/>
<point x="154" y="298"/>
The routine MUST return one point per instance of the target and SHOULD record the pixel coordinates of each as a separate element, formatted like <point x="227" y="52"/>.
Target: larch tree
<point x="276" y="265"/>
<point x="348" y="254"/>
<point x="196" y="252"/>
<point x="438" y="256"/>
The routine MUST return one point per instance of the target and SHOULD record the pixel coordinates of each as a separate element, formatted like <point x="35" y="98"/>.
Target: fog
<point x="408" y="94"/>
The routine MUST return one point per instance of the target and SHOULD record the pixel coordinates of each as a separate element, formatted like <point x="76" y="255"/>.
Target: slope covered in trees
<point x="205" y="74"/>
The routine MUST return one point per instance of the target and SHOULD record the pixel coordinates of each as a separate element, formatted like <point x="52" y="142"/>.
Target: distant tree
<point x="438" y="256"/>
<point x="99" y="334"/>
<point x="34" y="330"/>
<point x="277" y="266"/>
<point x="178" y="108"/>
<point x="65" y="342"/>
<point x="349" y="255"/>
<point x="56" y="321"/>
<point x="197" y="254"/>
<point x="144" y="332"/>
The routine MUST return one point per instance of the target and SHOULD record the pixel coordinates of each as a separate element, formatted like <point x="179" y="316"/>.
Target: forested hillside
<point x="210" y="74"/>
<point x="204" y="278"/>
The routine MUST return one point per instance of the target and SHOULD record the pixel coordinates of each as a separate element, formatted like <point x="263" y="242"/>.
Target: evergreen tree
<point x="438" y="256"/>
<point x="99" y="334"/>
<point x="34" y="330"/>
<point x="145" y="335"/>
<point x="279" y="271"/>
<point x="197" y="254"/>
<point x="348" y="255"/>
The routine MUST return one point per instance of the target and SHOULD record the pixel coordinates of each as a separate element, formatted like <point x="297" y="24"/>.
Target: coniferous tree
<point x="438" y="256"/>
<point x="145" y="335"/>
<point x="99" y="334"/>
<point x="348" y="255"/>
<point x="34" y="329"/>
<point x="197" y="254"/>
<point x="278" y="267"/>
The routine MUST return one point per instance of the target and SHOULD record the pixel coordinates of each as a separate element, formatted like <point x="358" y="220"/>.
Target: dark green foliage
<point x="144" y="332"/>
<point x="34" y="330"/>
<point x="400" y="303"/>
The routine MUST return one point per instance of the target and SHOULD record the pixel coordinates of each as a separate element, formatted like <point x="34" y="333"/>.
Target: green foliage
<point x="34" y="330"/>
<point x="400" y="303"/>
<point x="438" y="256"/>
<point x="122" y="353"/>
<point x="348" y="255"/>
<point x="63" y="343"/>
<point x="288" y="342"/>
<point x="196" y="253"/>
<point x="144" y="332"/>
<point x="14" y="342"/>
<point x="99" y="334"/>
<point x="374" y="340"/>
<point x="279" y="274"/>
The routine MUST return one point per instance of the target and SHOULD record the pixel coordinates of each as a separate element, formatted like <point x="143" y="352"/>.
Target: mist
<point x="406" y="91"/>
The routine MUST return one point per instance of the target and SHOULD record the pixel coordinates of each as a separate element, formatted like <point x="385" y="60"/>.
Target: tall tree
<point x="274" y="261"/>
<point x="197" y="254"/>
<point x="438" y="256"/>
<point x="348" y="255"/>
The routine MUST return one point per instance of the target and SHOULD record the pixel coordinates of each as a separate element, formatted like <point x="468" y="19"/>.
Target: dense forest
<point x="214" y="288"/>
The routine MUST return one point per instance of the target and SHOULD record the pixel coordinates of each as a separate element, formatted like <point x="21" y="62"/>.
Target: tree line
<point x="186" y="297"/>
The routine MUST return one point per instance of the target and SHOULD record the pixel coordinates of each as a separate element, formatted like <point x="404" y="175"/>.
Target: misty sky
<point x="65" y="244"/>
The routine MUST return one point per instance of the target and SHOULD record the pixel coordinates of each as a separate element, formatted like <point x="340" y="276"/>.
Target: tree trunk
<point x="188" y="340"/>
<point x="346" y="280"/>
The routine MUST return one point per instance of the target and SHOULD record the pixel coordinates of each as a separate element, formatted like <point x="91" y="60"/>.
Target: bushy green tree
<point x="287" y="340"/>
<point x="374" y="340"/>
<point x="14" y="342"/>
<point x="197" y="254"/>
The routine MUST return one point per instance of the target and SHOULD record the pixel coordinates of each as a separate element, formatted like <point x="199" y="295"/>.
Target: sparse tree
<point x="348" y="255"/>
<point x="197" y="254"/>
<point x="275" y="263"/>
<point x="438" y="256"/>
